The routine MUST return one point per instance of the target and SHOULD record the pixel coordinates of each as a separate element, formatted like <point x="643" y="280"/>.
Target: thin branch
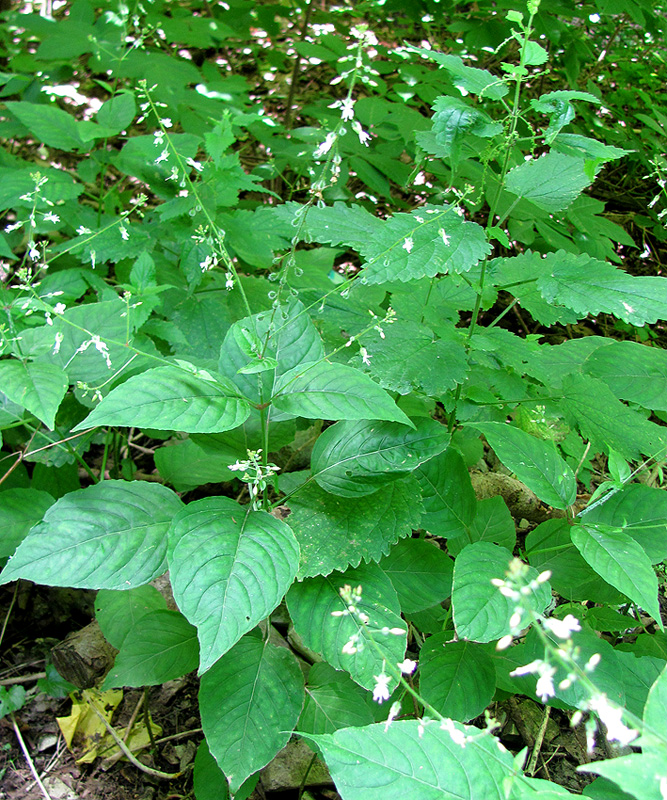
<point x="35" y="775"/>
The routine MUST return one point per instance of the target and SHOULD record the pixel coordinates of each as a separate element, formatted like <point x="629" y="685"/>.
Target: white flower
<point x="166" y="122"/>
<point x="408" y="244"/>
<point x="365" y="358"/>
<point x="174" y="174"/>
<point x="59" y="340"/>
<point x="364" y="136"/>
<point x="229" y="280"/>
<point x="82" y="230"/>
<point x="13" y="227"/>
<point x="158" y="138"/>
<point x="124" y="233"/>
<point x="457" y="736"/>
<point x="347" y="109"/>
<point x="326" y="145"/>
<point x="562" y="627"/>
<point x="445" y="238"/>
<point x="504" y="642"/>
<point x="51" y="217"/>
<point x="33" y="252"/>
<point x="164" y="155"/>
<point x="612" y="716"/>
<point x="59" y="308"/>
<point x="194" y="164"/>
<point x="381" y="689"/>
<point x="393" y="713"/>
<point x="408" y="666"/>
<point x="545" y="683"/>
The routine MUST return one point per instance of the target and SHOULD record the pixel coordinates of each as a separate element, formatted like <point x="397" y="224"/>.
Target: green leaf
<point x="640" y="775"/>
<point x="559" y="107"/>
<point x="449" y="499"/>
<point x="410" y="357"/>
<point x="621" y="562"/>
<point x="333" y="701"/>
<point x="160" y="647"/>
<point x="640" y="512"/>
<point x="590" y="286"/>
<point x="352" y="459"/>
<point x="252" y="696"/>
<point x="492" y="523"/>
<point x="457" y="678"/>
<point x="606" y="422"/>
<point x="167" y="399"/>
<point x="50" y="124"/>
<point x="117" y="612"/>
<point x="639" y="673"/>
<point x="230" y="567"/>
<point x="471" y="79"/>
<point x="413" y="759"/>
<point x="208" y="780"/>
<point x="111" y="535"/>
<point x="311" y="603"/>
<point x="117" y="113"/>
<point x="632" y="371"/>
<point x="534" y="461"/>
<point x="481" y="612"/>
<point x="551" y="181"/>
<point x="420" y="572"/>
<point x="20" y="509"/>
<point x="334" y="533"/>
<point x="655" y="711"/>
<point x="322" y="390"/>
<point x="11" y="699"/>
<point x="38" y="387"/>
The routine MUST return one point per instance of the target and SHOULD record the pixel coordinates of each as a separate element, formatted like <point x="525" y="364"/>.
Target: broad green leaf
<point x="20" y="509"/>
<point x="333" y="532"/>
<point x="549" y="547"/>
<point x="420" y="572"/>
<point x="449" y="499"/>
<point x="590" y="286"/>
<point x="481" y="612"/>
<point x="50" y="124"/>
<point x="117" y="113"/>
<point x="604" y="789"/>
<point x="322" y="390"/>
<point x="551" y="181"/>
<point x="641" y="512"/>
<point x="457" y="678"/>
<point x="573" y="144"/>
<point x="408" y="356"/>
<point x="250" y="701"/>
<point x="470" y="79"/>
<point x="415" y="759"/>
<point x="639" y="673"/>
<point x="36" y="386"/>
<point x="655" y="711"/>
<point x="117" y="612"/>
<point x="337" y="224"/>
<point x="171" y="399"/>
<point x="632" y="371"/>
<point x="352" y="459"/>
<point x="621" y="562"/>
<point x="208" y="780"/>
<point x="558" y="105"/>
<point x="291" y="339"/>
<point x="160" y="647"/>
<point x="333" y="701"/>
<point x="230" y="567"/>
<point x="607" y="422"/>
<point x="11" y="699"/>
<point x="492" y="523"/>
<point x="111" y="535"/>
<point x="311" y="603"/>
<point x="534" y="461"/>
<point x="640" y="775"/>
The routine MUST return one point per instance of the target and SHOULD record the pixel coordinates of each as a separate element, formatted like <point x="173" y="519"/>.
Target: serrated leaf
<point x="229" y="569"/>
<point x="311" y="603"/>
<point x="534" y="461"/>
<point x="411" y="759"/>
<point x="472" y="79"/>
<point x="621" y="562"/>
<point x="481" y="612"/>
<point x="38" y="387"/>
<point x="558" y="105"/>
<point x="333" y="701"/>
<point x="632" y="371"/>
<point x="410" y="357"/>
<point x="252" y="696"/>
<point x="50" y="124"/>
<point x="118" y="611"/>
<point x="641" y="512"/>
<point x="352" y="459"/>
<point x="449" y="499"/>
<point x="322" y="390"/>
<point x="457" y="678"/>
<point x="590" y="286"/>
<point x="111" y="535"/>
<point x="551" y="181"/>
<point x="160" y="647"/>
<point x="334" y="533"/>
<point x="171" y="399"/>
<point x="420" y="572"/>
<point x="590" y="405"/>
<point x="20" y="509"/>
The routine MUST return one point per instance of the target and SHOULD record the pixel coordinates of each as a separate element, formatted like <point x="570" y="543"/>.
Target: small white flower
<point x="51" y="217"/>
<point x="164" y="155"/>
<point x="59" y="308"/>
<point x="194" y="164"/>
<point x="229" y="280"/>
<point x="562" y="628"/>
<point x="33" y="252"/>
<point x="445" y="238"/>
<point x="59" y="340"/>
<point x="408" y="666"/>
<point x="350" y="648"/>
<point x="408" y="244"/>
<point x="82" y="230"/>
<point x="381" y="689"/>
<point x="545" y="683"/>
<point x="504" y="642"/>
<point x="365" y="358"/>
<point x="158" y="138"/>
<point x="13" y="227"/>
<point x="325" y="146"/>
<point x="394" y="711"/>
<point x="174" y="174"/>
<point x="93" y="257"/>
<point x="592" y="662"/>
<point x="612" y="716"/>
<point x="47" y="316"/>
<point x="457" y="736"/>
<point x="166" y="122"/>
<point x="347" y="109"/>
<point x="364" y="136"/>
<point x="124" y="233"/>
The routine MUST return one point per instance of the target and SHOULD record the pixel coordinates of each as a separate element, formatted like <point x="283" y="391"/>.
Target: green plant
<point x="198" y="294"/>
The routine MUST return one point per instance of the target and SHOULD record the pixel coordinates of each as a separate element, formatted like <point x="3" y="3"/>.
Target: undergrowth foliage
<point x="254" y="336"/>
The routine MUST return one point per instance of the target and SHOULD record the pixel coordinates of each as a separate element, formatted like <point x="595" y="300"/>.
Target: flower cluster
<point x="255" y="474"/>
